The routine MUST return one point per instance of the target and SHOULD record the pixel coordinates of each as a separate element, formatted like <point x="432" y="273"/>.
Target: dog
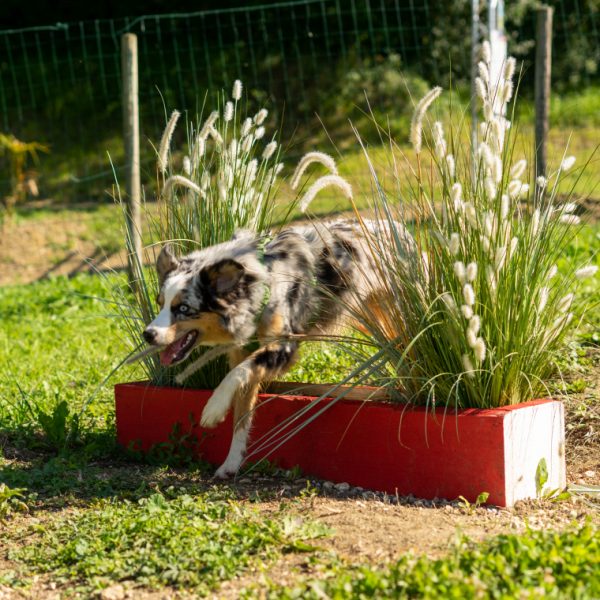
<point x="264" y="292"/>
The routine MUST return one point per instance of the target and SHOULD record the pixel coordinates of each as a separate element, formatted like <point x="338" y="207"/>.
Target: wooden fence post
<point x="543" y="65"/>
<point x="131" y="134"/>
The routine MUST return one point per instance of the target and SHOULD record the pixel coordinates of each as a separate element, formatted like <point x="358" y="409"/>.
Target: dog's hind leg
<point x="243" y="406"/>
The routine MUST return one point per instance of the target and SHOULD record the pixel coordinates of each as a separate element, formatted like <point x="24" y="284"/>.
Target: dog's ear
<point x="223" y="277"/>
<point x="165" y="263"/>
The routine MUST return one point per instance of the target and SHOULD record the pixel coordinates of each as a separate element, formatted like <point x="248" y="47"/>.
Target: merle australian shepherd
<point x="259" y="296"/>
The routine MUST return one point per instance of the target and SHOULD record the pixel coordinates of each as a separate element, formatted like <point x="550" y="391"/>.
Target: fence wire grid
<point x="61" y="84"/>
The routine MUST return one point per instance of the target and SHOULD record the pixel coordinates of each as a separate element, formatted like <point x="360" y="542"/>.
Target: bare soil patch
<point x="65" y="244"/>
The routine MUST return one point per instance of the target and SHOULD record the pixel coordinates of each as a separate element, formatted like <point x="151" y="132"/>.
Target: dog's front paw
<point x="225" y="471"/>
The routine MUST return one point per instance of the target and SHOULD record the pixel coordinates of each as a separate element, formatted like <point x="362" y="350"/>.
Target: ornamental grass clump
<point x="226" y="179"/>
<point x="479" y="315"/>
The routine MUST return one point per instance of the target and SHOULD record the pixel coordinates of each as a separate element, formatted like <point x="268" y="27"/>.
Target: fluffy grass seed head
<point x="517" y="170"/>
<point x="484" y="72"/>
<point x="586" y="272"/>
<point x="165" y="142"/>
<point x="439" y="140"/>
<point x="460" y="271"/>
<point x="480" y="88"/>
<point x="499" y="257"/>
<point x="321" y="184"/>
<point x="564" y="304"/>
<point x="246" y="126"/>
<point x="509" y="68"/>
<point x="247" y="143"/>
<point x="467" y="311"/>
<point x="269" y="150"/>
<point x="180" y="181"/>
<point x="471" y="213"/>
<point x="567" y="208"/>
<point x="570" y="219"/>
<point x="260" y="116"/>
<point x="504" y="207"/>
<point x="471" y="272"/>
<point x="567" y="163"/>
<point x="236" y="92"/>
<point x="480" y="349"/>
<point x="416" y="127"/>
<point x="228" y="112"/>
<point x="448" y="300"/>
<point x="468" y="366"/>
<point x="471" y="337"/>
<point x="535" y="222"/>
<point x="308" y="159"/>
<point x="544" y="294"/>
<point x="456" y="195"/>
<point x="454" y="244"/>
<point x="490" y="188"/>
<point x="468" y="294"/>
<point x="451" y="164"/>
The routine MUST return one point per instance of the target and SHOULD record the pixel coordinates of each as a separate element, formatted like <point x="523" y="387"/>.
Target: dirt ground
<point x="58" y="244"/>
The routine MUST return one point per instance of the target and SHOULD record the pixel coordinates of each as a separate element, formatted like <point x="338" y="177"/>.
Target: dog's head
<point x="206" y="298"/>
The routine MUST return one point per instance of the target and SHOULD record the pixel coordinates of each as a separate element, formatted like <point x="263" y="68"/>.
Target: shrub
<point x="477" y="314"/>
<point x="226" y="180"/>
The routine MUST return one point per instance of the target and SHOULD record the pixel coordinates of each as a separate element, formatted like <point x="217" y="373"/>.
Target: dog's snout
<point x="150" y="335"/>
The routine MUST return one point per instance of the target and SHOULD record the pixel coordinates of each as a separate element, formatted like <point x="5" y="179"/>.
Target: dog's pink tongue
<point x="167" y="356"/>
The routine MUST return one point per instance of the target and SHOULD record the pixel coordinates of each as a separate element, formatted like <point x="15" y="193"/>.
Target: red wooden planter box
<point x="375" y="445"/>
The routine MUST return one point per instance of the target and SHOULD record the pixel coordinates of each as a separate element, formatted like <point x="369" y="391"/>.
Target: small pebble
<point x="590" y="473"/>
<point x="342" y="487"/>
<point x="114" y="592"/>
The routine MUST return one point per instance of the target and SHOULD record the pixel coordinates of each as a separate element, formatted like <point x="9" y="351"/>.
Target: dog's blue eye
<point x="183" y="308"/>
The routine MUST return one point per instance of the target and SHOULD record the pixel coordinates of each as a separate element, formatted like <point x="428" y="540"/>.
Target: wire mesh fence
<point x="61" y="84"/>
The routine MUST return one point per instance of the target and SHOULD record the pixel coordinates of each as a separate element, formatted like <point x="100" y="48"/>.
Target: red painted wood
<point x="376" y="445"/>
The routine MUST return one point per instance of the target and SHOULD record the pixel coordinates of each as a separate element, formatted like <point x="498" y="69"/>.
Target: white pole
<point x="498" y="48"/>
<point x="474" y="61"/>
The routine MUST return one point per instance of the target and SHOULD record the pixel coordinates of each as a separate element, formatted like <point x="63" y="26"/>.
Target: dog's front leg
<point x="222" y="398"/>
<point x="242" y="418"/>
<point x="265" y="364"/>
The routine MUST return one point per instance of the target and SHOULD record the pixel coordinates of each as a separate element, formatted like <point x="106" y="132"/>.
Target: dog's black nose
<point x="149" y="335"/>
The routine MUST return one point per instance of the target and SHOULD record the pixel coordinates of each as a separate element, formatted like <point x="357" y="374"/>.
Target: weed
<point x="479" y="501"/>
<point x="60" y="427"/>
<point x="10" y="501"/>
